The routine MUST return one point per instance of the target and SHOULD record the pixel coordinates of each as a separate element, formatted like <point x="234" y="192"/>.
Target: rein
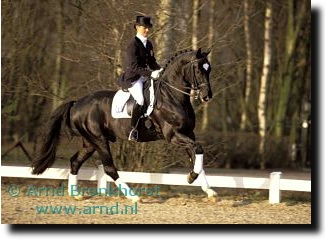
<point x="196" y="87"/>
<point x="181" y="91"/>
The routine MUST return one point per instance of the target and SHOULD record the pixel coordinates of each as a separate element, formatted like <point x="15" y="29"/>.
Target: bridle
<point x="195" y="86"/>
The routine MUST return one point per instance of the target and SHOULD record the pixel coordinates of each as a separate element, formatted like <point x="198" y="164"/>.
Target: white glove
<point x="156" y="74"/>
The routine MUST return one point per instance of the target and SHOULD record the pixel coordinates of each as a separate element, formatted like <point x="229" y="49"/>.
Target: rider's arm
<point x="133" y="58"/>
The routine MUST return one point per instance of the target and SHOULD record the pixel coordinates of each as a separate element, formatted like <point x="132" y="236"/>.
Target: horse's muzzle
<point x="205" y="99"/>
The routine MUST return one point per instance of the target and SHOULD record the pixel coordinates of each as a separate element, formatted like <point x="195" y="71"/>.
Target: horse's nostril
<point x="206" y="99"/>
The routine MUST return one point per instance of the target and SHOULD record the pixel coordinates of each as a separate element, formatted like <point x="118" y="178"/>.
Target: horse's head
<point x="199" y="70"/>
<point x="193" y="68"/>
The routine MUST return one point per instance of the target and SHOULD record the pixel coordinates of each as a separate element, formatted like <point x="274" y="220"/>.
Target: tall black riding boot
<point x="136" y="114"/>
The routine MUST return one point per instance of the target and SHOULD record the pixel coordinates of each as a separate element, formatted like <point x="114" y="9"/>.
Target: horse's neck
<point x="174" y="91"/>
<point x="176" y="83"/>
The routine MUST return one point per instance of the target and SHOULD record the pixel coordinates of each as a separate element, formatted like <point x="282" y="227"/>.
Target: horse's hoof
<point x="191" y="177"/>
<point x="212" y="196"/>
<point x="135" y="199"/>
<point x="78" y="198"/>
<point x="214" y="199"/>
<point x="211" y="193"/>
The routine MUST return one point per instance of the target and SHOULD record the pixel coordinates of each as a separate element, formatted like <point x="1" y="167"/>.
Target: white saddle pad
<point x="119" y="110"/>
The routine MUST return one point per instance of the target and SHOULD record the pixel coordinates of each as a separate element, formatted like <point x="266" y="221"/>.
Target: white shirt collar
<point x="142" y="39"/>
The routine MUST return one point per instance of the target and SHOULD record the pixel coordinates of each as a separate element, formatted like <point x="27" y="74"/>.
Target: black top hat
<point x="143" y="21"/>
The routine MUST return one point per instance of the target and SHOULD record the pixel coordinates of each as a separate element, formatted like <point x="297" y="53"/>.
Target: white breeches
<point x="137" y="90"/>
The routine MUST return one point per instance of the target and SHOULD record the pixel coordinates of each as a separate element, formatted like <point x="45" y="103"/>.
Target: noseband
<point x="195" y="85"/>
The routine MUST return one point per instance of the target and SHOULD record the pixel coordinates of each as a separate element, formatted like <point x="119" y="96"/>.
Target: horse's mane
<point x="176" y="55"/>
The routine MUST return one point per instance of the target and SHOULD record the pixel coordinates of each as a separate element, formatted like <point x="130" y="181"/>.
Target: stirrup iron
<point x="133" y="136"/>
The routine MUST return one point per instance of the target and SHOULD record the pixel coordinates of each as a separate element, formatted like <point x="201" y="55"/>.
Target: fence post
<point x="101" y="179"/>
<point x="274" y="189"/>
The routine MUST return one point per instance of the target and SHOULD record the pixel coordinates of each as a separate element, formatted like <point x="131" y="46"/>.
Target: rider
<point x="141" y="65"/>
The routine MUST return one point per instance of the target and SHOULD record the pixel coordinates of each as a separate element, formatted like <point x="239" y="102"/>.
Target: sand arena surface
<point x="168" y="207"/>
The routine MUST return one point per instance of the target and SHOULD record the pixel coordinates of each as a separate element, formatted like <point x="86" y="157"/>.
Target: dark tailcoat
<point x="140" y="62"/>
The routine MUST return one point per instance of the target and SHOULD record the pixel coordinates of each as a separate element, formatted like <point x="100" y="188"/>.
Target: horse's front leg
<point x="195" y="151"/>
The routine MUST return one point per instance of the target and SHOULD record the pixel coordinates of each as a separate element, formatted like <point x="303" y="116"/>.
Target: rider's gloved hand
<point x="156" y="74"/>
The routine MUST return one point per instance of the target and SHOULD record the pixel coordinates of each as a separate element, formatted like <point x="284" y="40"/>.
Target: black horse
<point x="172" y="119"/>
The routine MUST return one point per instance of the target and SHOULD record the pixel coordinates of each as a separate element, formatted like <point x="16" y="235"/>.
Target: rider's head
<point x="142" y="25"/>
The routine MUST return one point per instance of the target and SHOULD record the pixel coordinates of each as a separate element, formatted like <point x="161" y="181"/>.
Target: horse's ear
<point x="208" y="52"/>
<point x="205" y="54"/>
<point x="198" y="53"/>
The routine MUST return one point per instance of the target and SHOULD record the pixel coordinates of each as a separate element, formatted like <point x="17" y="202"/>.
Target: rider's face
<point x="142" y="30"/>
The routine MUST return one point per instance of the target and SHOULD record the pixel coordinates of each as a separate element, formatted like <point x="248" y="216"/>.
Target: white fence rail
<point x="274" y="183"/>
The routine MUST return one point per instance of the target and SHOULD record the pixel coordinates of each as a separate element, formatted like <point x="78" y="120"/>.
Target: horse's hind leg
<point x="104" y="151"/>
<point x="76" y="162"/>
<point x="80" y="157"/>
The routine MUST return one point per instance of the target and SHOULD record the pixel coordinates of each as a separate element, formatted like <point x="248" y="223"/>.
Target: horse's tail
<point x="46" y="156"/>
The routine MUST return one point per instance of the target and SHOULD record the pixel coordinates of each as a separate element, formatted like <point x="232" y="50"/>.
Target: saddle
<point x="123" y="102"/>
